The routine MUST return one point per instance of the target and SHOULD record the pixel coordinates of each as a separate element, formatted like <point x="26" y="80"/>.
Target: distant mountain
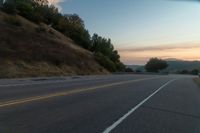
<point x="173" y="59"/>
<point x="174" y="65"/>
<point x="179" y="65"/>
<point x="134" y="67"/>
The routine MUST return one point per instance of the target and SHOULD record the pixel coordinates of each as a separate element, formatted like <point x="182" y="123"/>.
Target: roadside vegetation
<point x="155" y="65"/>
<point x="29" y="50"/>
<point x="70" y="25"/>
<point x="192" y="72"/>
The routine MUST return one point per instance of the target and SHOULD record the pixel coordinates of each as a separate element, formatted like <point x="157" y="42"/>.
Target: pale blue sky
<point x="139" y="23"/>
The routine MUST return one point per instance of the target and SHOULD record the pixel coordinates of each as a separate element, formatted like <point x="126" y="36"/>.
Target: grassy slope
<point x="27" y="49"/>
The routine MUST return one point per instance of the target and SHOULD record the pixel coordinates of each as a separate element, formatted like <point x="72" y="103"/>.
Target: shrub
<point x="24" y="8"/>
<point x="155" y="64"/>
<point x="184" y="72"/>
<point x="129" y="70"/>
<point x="105" y="62"/>
<point x="194" y="72"/>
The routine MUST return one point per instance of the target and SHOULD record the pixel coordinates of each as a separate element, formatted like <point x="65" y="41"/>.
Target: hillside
<point x="180" y="65"/>
<point x="28" y="49"/>
<point x="174" y="66"/>
<point x="134" y="67"/>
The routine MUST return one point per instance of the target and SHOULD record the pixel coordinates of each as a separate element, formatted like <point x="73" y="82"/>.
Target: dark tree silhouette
<point x="155" y="64"/>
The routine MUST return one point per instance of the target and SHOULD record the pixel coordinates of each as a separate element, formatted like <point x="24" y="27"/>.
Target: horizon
<point x="142" y="29"/>
<point x="166" y="59"/>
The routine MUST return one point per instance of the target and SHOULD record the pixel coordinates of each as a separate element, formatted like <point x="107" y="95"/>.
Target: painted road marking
<point x="26" y="84"/>
<point x="120" y="120"/>
<point x="36" y="98"/>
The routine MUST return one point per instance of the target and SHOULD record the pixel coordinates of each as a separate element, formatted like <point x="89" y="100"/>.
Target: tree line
<point x="71" y="25"/>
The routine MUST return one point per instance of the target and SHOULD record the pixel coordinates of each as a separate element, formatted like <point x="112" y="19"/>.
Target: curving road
<point x="100" y="104"/>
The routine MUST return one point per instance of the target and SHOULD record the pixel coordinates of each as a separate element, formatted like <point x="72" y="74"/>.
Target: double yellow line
<point x="43" y="97"/>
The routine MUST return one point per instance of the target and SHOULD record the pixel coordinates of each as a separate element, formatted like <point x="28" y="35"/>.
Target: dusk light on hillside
<point x="99" y="66"/>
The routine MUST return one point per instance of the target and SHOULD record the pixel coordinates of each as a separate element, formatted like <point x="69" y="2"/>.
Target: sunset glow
<point x="142" y="54"/>
<point x="141" y="29"/>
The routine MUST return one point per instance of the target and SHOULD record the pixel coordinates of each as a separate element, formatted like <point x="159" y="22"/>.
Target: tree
<point x="129" y="70"/>
<point x="184" y="72"/>
<point x="9" y="6"/>
<point x="105" y="47"/>
<point x="194" y="72"/>
<point x="1" y="4"/>
<point x="24" y="8"/>
<point x="105" y="62"/>
<point x="155" y="65"/>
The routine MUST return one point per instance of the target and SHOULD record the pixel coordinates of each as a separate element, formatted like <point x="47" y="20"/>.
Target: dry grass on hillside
<point x="28" y="49"/>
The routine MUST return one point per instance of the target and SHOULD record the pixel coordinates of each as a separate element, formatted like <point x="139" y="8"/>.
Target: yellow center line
<point x="43" y="97"/>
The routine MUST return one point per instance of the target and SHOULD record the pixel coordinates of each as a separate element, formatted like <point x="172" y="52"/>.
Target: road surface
<point x="100" y="104"/>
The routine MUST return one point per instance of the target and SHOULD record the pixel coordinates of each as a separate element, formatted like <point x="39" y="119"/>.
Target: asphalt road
<point x="100" y="104"/>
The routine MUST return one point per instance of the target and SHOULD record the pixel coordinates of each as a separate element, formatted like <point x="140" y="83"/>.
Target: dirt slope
<point x="28" y="49"/>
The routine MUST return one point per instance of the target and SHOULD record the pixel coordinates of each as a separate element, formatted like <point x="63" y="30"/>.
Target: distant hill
<point x="133" y="67"/>
<point x="174" y="65"/>
<point x="28" y="49"/>
<point x="180" y="65"/>
<point x="172" y="59"/>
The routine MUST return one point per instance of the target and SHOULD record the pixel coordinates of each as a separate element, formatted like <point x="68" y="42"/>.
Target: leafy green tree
<point x="155" y="64"/>
<point x="73" y="27"/>
<point x="25" y="8"/>
<point x="105" y="47"/>
<point x="52" y="15"/>
<point x="105" y="62"/>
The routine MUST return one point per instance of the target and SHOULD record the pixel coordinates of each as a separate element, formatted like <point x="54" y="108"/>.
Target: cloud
<point x="139" y="55"/>
<point x="161" y="47"/>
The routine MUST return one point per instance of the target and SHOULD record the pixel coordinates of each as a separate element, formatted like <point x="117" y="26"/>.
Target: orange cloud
<point x="141" y="54"/>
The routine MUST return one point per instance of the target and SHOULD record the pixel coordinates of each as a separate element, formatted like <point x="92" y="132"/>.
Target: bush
<point x="105" y="62"/>
<point x="24" y="8"/>
<point x="129" y="70"/>
<point x="155" y="64"/>
<point x="120" y="66"/>
<point x="194" y="72"/>
<point x="184" y="72"/>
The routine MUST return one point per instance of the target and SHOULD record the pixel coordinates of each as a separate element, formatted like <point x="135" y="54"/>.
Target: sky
<point x="141" y="29"/>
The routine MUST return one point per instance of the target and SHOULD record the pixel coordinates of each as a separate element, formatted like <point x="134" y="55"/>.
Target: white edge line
<point x="115" y="124"/>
